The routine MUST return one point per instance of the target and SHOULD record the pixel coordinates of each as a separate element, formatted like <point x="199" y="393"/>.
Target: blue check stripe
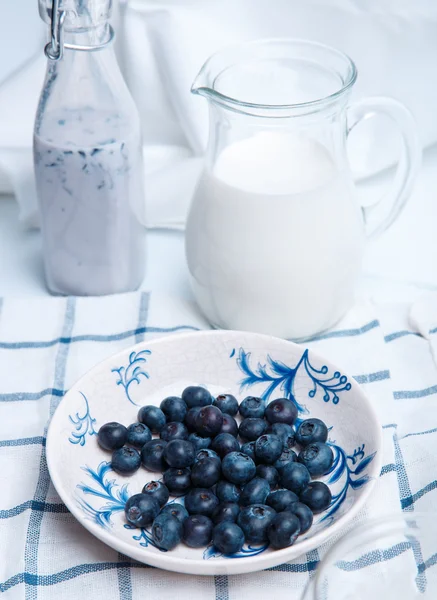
<point x="372" y="558"/>
<point x="404" y="494"/>
<point x="400" y="334"/>
<point x="221" y="587"/>
<point x="33" y="580"/>
<point x="408" y="394"/>
<point x="31" y="396"/>
<point x="124" y="579"/>
<point x="430" y="562"/>
<point x="42" y="487"/>
<point x="95" y="338"/>
<point x="372" y="377"/>
<point x="410" y="500"/>
<point x="141" y="330"/>
<point x="346" y="332"/>
<point x="305" y="567"/>
<point x="33" y="441"/>
<point x="33" y="505"/>
<point x="426" y="432"/>
<point x="124" y="574"/>
<point x="388" y="469"/>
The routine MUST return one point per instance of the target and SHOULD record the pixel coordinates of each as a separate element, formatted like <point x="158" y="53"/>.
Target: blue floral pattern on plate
<point x="115" y="497"/>
<point x="133" y="372"/>
<point x="280" y="377"/>
<point x="83" y="425"/>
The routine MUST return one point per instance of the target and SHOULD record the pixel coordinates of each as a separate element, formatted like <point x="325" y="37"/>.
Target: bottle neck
<point x="89" y="37"/>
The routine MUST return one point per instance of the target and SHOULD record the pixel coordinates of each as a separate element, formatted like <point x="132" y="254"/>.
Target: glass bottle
<point x="88" y="157"/>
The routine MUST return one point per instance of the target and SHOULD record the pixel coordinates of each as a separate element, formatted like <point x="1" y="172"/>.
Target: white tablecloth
<point x="47" y="343"/>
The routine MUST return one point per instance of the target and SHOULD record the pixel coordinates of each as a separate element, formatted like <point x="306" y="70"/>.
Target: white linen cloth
<point x="47" y="343"/>
<point x="163" y="43"/>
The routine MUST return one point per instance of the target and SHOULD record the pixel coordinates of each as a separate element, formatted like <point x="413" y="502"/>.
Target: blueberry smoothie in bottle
<point x="88" y="161"/>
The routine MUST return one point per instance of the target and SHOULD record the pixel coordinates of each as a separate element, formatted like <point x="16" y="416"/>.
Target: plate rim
<point x="222" y="566"/>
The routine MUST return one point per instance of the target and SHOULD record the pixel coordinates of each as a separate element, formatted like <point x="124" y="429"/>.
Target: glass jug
<point x="88" y="157"/>
<point x="390" y="557"/>
<point x="275" y="234"/>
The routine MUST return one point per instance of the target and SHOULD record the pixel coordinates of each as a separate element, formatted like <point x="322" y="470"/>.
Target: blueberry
<point x="205" y="473"/>
<point x="200" y="501"/>
<point x="152" y="455"/>
<point x="286" y="457"/>
<point x="178" y="481"/>
<point x="310" y="431"/>
<point x="227" y="404"/>
<point x="196" y="396"/>
<point x="228" y="537"/>
<point x="318" y="458"/>
<point x="238" y="468"/>
<point x="225" y="443"/>
<point x="285" y="432"/>
<point x="112" y="436"/>
<point x="295" y="477"/>
<point x="289" y="442"/>
<point x="227" y="491"/>
<point x="317" y="496"/>
<point x="141" y="510"/>
<point x="252" y="408"/>
<point x="249" y="449"/>
<point x="167" y="531"/>
<point x="268" y="448"/>
<point x="226" y="511"/>
<point x="303" y="513"/>
<point x="157" y="490"/>
<point x="269" y="473"/>
<point x="209" y="421"/>
<point x="174" y="431"/>
<point x="190" y="418"/>
<point x="197" y="531"/>
<point x="254" y="521"/>
<point x="281" y="410"/>
<point x="174" y="409"/>
<point x="283" y="530"/>
<point x="198" y="441"/>
<point x="126" y="461"/>
<point x="230" y="425"/>
<point x="255" y="492"/>
<point x="251" y="429"/>
<point x="281" y="499"/>
<point x="153" y="417"/>
<point x="175" y="509"/>
<point x="138" y="434"/>
<point x="207" y="453"/>
<point x="179" y="454"/>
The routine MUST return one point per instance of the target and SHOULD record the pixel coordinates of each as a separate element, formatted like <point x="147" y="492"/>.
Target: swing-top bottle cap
<point x="79" y="14"/>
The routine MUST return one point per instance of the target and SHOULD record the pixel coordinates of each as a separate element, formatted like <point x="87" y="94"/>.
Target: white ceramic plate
<point x="224" y="361"/>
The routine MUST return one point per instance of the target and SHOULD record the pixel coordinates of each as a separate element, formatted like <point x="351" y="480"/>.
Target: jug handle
<point x="392" y="202"/>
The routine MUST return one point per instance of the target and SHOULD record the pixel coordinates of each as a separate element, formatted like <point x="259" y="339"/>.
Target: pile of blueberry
<point x="256" y="491"/>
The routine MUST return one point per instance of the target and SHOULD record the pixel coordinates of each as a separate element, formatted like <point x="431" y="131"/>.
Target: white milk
<point x="274" y="238"/>
<point x="89" y="177"/>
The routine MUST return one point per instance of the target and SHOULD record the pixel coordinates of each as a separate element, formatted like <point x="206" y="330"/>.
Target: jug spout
<point x="202" y="85"/>
<point x="271" y="78"/>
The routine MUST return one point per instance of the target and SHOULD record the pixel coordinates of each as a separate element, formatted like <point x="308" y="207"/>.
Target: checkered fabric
<point x="47" y="343"/>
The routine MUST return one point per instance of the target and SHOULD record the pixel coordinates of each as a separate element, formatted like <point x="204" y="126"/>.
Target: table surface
<point x="399" y="265"/>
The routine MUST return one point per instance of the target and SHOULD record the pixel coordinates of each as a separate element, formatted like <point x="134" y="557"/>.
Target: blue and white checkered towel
<point x="46" y="344"/>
